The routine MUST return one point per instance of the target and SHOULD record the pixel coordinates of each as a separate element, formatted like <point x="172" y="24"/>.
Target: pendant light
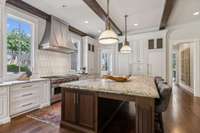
<point x="108" y="36"/>
<point x="125" y="48"/>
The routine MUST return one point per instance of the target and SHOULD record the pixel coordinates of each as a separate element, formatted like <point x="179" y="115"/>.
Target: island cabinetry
<point x="79" y="110"/>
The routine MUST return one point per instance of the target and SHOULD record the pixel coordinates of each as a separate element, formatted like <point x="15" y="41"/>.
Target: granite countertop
<point x="7" y="83"/>
<point x="136" y="86"/>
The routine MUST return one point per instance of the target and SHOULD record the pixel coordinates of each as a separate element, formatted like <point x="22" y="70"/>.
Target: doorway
<point x="183" y="66"/>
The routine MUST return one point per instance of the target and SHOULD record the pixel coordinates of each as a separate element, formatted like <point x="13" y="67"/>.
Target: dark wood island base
<point x="90" y="111"/>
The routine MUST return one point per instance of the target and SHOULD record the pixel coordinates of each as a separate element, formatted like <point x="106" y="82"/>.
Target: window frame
<point x="22" y="16"/>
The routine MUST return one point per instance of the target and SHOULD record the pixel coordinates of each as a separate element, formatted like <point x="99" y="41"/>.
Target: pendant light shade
<point x="108" y="36"/>
<point x="126" y="49"/>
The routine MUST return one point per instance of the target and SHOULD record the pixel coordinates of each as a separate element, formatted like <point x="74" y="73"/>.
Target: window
<point x="89" y="47"/>
<point x="19" y="44"/>
<point x="75" y="58"/>
<point x="159" y="43"/>
<point x="151" y="44"/>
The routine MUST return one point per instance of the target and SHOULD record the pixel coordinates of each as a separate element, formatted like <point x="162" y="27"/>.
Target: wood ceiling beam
<point x="169" y="5"/>
<point x="92" y="4"/>
<point x="24" y="6"/>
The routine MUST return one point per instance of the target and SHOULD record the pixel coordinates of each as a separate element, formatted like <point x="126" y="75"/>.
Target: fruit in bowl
<point x="117" y="78"/>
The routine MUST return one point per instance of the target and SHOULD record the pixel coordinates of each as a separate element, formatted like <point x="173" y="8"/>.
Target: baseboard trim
<point x="44" y="105"/>
<point x="5" y="120"/>
<point x="186" y="90"/>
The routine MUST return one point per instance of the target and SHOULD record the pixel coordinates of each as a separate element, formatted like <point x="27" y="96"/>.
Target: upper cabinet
<point x="155" y="43"/>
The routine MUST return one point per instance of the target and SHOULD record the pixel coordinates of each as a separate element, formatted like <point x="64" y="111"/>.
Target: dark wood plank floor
<point x="182" y="116"/>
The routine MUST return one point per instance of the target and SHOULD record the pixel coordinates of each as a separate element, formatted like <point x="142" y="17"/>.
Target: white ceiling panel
<point x="75" y="13"/>
<point x="183" y="12"/>
<point x="146" y="13"/>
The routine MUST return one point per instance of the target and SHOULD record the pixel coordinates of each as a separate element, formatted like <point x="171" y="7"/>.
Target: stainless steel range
<point x="55" y="82"/>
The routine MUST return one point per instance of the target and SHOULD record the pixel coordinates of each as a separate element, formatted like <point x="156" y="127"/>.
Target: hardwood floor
<point x="182" y="116"/>
<point x="183" y="113"/>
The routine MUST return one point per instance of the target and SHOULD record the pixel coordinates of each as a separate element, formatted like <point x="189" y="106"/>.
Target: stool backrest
<point x="165" y="94"/>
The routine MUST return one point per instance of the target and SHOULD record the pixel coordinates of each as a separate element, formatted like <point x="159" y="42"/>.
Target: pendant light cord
<point x="126" y="28"/>
<point x="108" y="12"/>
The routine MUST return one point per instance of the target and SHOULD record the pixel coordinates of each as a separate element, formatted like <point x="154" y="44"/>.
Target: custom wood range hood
<point x="57" y="37"/>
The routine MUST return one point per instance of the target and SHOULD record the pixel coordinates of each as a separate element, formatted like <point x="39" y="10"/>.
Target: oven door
<point x="55" y="94"/>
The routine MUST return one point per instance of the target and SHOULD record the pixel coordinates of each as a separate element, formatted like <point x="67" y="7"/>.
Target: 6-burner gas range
<point x="55" y="81"/>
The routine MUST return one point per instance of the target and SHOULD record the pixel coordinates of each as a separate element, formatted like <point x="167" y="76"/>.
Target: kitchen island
<point x="81" y="108"/>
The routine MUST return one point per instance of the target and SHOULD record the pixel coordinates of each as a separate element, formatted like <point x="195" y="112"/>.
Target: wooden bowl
<point x="117" y="78"/>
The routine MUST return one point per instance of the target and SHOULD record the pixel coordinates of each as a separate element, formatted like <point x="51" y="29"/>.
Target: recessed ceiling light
<point x="136" y="24"/>
<point x="99" y="31"/>
<point x="196" y="13"/>
<point x="86" y="22"/>
<point x="64" y="6"/>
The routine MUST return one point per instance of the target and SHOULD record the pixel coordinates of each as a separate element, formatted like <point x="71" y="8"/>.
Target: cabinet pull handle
<point x="77" y="99"/>
<point x="25" y="95"/>
<point x="74" y="98"/>
<point x="25" y="105"/>
<point x="27" y="86"/>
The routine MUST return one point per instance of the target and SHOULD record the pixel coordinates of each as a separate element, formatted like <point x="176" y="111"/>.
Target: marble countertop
<point x="7" y="83"/>
<point x="137" y="86"/>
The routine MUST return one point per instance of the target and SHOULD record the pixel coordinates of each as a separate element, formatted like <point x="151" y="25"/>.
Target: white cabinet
<point x="4" y="104"/>
<point x="91" y="62"/>
<point x="19" y="98"/>
<point x="139" y="65"/>
<point x="24" y="97"/>
<point x="29" y="96"/>
<point x="45" y="94"/>
<point x="156" y="64"/>
<point x="123" y="64"/>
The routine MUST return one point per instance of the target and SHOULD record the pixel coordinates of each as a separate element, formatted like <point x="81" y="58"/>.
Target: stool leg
<point x="161" y="122"/>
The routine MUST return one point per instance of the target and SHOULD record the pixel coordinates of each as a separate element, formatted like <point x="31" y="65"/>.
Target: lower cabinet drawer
<point x="23" y="94"/>
<point x="24" y="97"/>
<point x="24" y="105"/>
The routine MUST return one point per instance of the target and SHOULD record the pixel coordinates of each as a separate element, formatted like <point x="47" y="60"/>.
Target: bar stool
<point x="162" y="104"/>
